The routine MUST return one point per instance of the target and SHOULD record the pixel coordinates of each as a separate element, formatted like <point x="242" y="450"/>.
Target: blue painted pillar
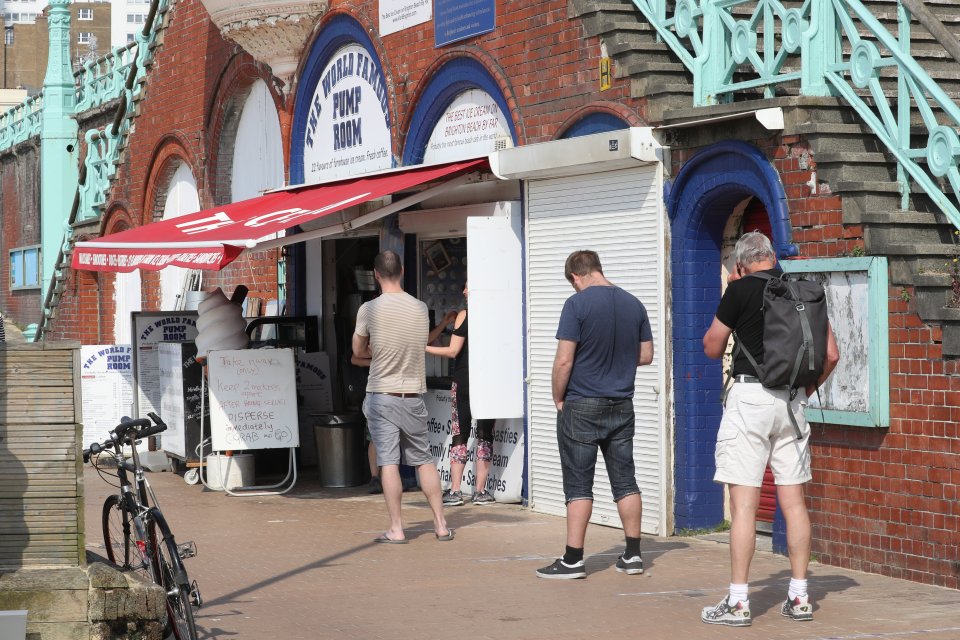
<point x="58" y="140"/>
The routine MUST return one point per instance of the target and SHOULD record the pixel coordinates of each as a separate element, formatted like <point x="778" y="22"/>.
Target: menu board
<point x="106" y="384"/>
<point x="253" y="399"/>
<point x="181" y="379"/>
<point x="150" y="328"/>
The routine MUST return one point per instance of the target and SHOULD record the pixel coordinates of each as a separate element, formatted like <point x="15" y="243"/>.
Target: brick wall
<point x="20" y="212"/>
<point x="882" y="500"/>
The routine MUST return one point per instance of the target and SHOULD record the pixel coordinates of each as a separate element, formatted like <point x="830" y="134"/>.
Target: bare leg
<point x="483" y="470"/>
<point x="393" y="495"/>
<point x="372" y="460"/>
<point x="456" y="475"/>
<point x="630" y="509"/>
<point x="795" y="513"/>
<point x="578" y="515"/>
<point x="743" y="530"/>
<point x="430" y="485"/>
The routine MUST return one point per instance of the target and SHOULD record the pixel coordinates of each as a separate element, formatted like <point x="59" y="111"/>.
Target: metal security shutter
<point x="619" y="214"/>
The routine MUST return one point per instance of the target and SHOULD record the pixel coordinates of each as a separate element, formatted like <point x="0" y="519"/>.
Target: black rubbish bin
<point x="341" y="454"/>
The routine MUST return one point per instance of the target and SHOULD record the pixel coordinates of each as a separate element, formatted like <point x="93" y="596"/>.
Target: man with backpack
<point x="763" y="418"/>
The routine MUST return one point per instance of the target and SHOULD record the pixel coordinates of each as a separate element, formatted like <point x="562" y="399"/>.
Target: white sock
<point x="738" y="593"/>
<point x="797" y="588"/>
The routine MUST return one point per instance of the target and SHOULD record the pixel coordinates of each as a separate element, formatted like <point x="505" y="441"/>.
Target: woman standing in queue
<point x="462" y="419"/>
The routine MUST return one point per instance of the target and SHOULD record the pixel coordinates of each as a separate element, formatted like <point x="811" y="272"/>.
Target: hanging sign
<point x="397" y="15"/>
<point x="460" y="19"/>
<point x="106" y="384"/>
<point x="469" y="128"/>
<point x="348" y="129"/>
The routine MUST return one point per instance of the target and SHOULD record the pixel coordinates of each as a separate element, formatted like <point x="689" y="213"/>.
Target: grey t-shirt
<point x="397" y="325"/>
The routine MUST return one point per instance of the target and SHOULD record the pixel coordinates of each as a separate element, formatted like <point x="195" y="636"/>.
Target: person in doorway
<point x="756" y="430"/>
<point x="392" y="331"/>
<point x="376" y="486"/>
<point x="604" y="335"/>
<point x="462" y="419"/>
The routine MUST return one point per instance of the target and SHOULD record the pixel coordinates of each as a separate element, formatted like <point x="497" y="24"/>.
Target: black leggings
<point x="462" y="418"/>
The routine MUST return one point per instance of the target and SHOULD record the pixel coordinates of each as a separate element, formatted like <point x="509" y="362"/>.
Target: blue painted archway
<point x="699" y="202"/>
<point x="452" y="79"/>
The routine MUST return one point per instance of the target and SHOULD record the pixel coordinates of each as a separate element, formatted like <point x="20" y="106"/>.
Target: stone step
<point x="877" y="237"/>
<point x="904" y="218"/>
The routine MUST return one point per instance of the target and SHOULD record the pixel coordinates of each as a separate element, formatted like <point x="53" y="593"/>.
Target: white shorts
<point x="756" y="430"/>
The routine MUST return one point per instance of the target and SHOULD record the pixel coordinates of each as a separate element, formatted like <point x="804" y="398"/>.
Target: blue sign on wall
<point x="455" y="20"/>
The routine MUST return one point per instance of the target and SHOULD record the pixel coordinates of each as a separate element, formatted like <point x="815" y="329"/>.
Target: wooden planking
<point x="41" y="498"/>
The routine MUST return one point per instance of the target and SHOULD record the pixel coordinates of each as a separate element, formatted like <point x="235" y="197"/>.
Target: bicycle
<point x="130" y="526"/>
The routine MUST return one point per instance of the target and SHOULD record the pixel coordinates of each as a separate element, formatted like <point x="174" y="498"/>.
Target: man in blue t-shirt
<point x="604" y="335"/>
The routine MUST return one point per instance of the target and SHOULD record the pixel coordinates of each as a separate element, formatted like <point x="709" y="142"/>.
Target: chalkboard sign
<point x="253" y="399"/>
<point x="181" y="379"/>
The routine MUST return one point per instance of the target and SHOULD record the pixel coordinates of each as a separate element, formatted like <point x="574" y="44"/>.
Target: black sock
<point x="633" y="547"/>
<point x="572" y="555"/>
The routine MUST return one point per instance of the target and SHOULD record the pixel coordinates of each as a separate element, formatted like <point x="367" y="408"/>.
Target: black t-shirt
<point x="741" y="309"/>
<point x="461" y="364"/>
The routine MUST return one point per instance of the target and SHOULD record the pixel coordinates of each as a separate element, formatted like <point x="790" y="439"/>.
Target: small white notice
<point x="253" y="399"/>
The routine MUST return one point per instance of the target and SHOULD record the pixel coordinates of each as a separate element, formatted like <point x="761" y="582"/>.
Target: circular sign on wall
<point x="469" y="128"/>
<point x="348" y="129"/>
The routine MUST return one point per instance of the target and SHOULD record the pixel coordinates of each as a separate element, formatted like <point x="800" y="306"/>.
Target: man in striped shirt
<point x="392" y="332"/>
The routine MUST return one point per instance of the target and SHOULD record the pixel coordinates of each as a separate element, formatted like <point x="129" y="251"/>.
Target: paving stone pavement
<point x="303" y="566"/>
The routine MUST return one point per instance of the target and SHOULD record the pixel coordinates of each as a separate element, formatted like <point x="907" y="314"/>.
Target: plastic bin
<point x="341" y="456"/>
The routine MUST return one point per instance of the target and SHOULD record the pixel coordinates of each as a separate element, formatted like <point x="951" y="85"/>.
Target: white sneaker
<point x="732" y="616"/>
<point x="799" y="608"/>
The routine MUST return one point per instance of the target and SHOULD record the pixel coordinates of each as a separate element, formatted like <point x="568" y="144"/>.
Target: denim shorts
<point x="583" y="426"/>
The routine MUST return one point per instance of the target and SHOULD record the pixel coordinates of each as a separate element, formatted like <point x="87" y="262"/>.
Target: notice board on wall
<point x="253" y="399"/>
<point x="106" y="381"/>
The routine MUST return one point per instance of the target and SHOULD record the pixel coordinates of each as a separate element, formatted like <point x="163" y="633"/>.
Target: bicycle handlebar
<point x="128" y="431"/>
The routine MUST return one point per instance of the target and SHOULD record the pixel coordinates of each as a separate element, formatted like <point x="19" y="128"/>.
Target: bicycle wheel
<point x="119" y="539"/>
<point x="172" y="576"/>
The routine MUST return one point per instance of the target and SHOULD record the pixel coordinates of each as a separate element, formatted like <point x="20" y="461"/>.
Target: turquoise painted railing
<point x="103" y="80"/>
<point x="116" y="76"/>
<point x="21" y="122"/>
<point x="820" y="46"/>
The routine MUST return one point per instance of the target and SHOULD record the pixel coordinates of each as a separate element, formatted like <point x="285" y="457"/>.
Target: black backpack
<point x="795" y="329"/>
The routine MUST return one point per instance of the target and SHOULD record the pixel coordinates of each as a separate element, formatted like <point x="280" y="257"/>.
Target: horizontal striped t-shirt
<point x="398" y="325"/>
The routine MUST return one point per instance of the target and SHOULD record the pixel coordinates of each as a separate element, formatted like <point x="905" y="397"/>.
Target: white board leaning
<point x="253" y="399"/>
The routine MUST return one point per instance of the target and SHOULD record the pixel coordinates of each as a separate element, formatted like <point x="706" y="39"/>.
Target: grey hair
<point x="754" y="247"/>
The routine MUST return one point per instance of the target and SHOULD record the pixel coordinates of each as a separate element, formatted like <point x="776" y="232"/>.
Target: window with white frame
<point x="25" y="267"/>
<point x="84" y="14"/>
<point x="84" y="37"/>
<point x="8" y="36"/>
<point x="131" y="37"/>
<point x="136" y="18"/>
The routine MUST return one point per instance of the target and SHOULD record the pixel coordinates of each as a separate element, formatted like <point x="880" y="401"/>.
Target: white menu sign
<point x="106" y="383"/>
<point x="348" y="128"/>
<point x="505" y="481"/>
<point x="469" y="128"/>
<point x="396" y="15"/>
<point x="253" y="399"/>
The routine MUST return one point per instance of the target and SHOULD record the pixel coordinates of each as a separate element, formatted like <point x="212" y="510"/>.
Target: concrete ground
<point x="303" y="566"/>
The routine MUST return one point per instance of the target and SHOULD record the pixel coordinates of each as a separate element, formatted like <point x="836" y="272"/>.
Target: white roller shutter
<point x="619" y="214"/>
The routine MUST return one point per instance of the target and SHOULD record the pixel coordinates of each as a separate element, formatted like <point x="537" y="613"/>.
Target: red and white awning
<point x="212" y="238"/>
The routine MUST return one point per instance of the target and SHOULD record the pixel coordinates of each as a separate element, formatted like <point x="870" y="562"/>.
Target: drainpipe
<point x="58" y="141"/>
<point x="934" y="26"/>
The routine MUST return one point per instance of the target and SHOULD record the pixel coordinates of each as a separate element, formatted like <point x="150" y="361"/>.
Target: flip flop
<point x="446" y="538"/>
<point x="385" y="540"/>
